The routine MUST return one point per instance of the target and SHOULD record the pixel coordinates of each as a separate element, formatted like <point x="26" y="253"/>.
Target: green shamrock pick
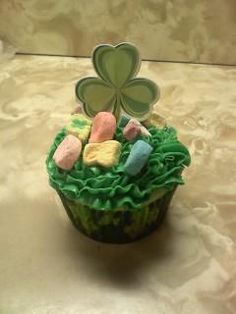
<point x="117" y="89"/>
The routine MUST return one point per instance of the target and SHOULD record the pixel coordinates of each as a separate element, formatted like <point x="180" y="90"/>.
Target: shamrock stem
<point x="117" y="111"/>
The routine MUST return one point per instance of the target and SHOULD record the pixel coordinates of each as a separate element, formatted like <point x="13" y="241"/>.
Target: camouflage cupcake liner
<point x="120" y="225"/>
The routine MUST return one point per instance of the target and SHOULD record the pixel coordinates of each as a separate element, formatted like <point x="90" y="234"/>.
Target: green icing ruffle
<point x="110" y="189"/>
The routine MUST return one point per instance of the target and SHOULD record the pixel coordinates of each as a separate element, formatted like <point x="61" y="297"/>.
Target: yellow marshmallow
<point x="105" y="154"/>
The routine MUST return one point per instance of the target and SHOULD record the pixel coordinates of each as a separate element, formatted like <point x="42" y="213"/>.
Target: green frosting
<point x="108" y="189"/>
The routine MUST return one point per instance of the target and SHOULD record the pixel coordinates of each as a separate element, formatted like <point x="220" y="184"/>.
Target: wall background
<point x="181" y="30"/>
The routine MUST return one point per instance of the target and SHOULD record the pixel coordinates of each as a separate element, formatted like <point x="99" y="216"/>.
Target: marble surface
<point x="187" y="266"/>
<point x="200" y="31"/>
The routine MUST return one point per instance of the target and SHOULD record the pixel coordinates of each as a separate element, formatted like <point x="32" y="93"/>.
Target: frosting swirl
<point x="108" y="189"/>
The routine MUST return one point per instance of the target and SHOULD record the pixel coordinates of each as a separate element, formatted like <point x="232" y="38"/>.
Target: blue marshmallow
<point x="138" y="157"/>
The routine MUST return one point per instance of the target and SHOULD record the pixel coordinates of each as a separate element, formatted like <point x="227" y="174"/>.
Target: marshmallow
<point x="144" y="131"/>
<point x="123" y="121"/>
<point x="67" y="152"/>
<point x="138" y="157"/>
<point x="103" y="128"/>
<point x="131" y="130"/>
<point x="156" y="120"/>
<point x="79" y="126"/>
<point x="134" y="128"/>
<point x="104" y="154"/>
<point x="77" y="110"/>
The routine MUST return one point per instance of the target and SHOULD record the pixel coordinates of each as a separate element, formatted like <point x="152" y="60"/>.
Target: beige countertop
<point x="187" y="266"/>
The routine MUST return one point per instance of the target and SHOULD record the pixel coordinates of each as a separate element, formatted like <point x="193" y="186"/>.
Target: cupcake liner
<point x="118" y="225"/>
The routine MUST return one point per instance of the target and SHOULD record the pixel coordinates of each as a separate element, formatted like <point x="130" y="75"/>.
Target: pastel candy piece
<point x="131" y="130"/>
<point x="138" y="157"/>
<point x="105" y="154"/>
<point x="103" y="128"/>
<point x="143" y="130"/>
<point x="67" y="152"/>
<point x="155" y="120"/>
<point x="77" y="110"/>
<point x="123" y="121"/>
<point x="79" y="126"/>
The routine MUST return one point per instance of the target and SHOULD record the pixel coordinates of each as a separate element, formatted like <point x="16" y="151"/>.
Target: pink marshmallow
<point x="103" y="128"/>
<point x="134" y="128"/>
<point x="131" y="130"/>
<point x="77" y="110"/>
<point x="67" y="152"/>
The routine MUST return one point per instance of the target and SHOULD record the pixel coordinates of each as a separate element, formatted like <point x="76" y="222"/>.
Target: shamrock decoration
<point x="116" y="88"/>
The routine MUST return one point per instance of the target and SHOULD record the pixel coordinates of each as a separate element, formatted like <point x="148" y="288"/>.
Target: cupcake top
<point x="108" y="160"/>
<point x="114" y="187"/>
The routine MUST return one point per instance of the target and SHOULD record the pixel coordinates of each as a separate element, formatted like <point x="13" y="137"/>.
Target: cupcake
<point x="116" y="165"/>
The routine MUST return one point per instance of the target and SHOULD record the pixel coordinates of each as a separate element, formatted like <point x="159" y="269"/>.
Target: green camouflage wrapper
<point x="119" y="225"/>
